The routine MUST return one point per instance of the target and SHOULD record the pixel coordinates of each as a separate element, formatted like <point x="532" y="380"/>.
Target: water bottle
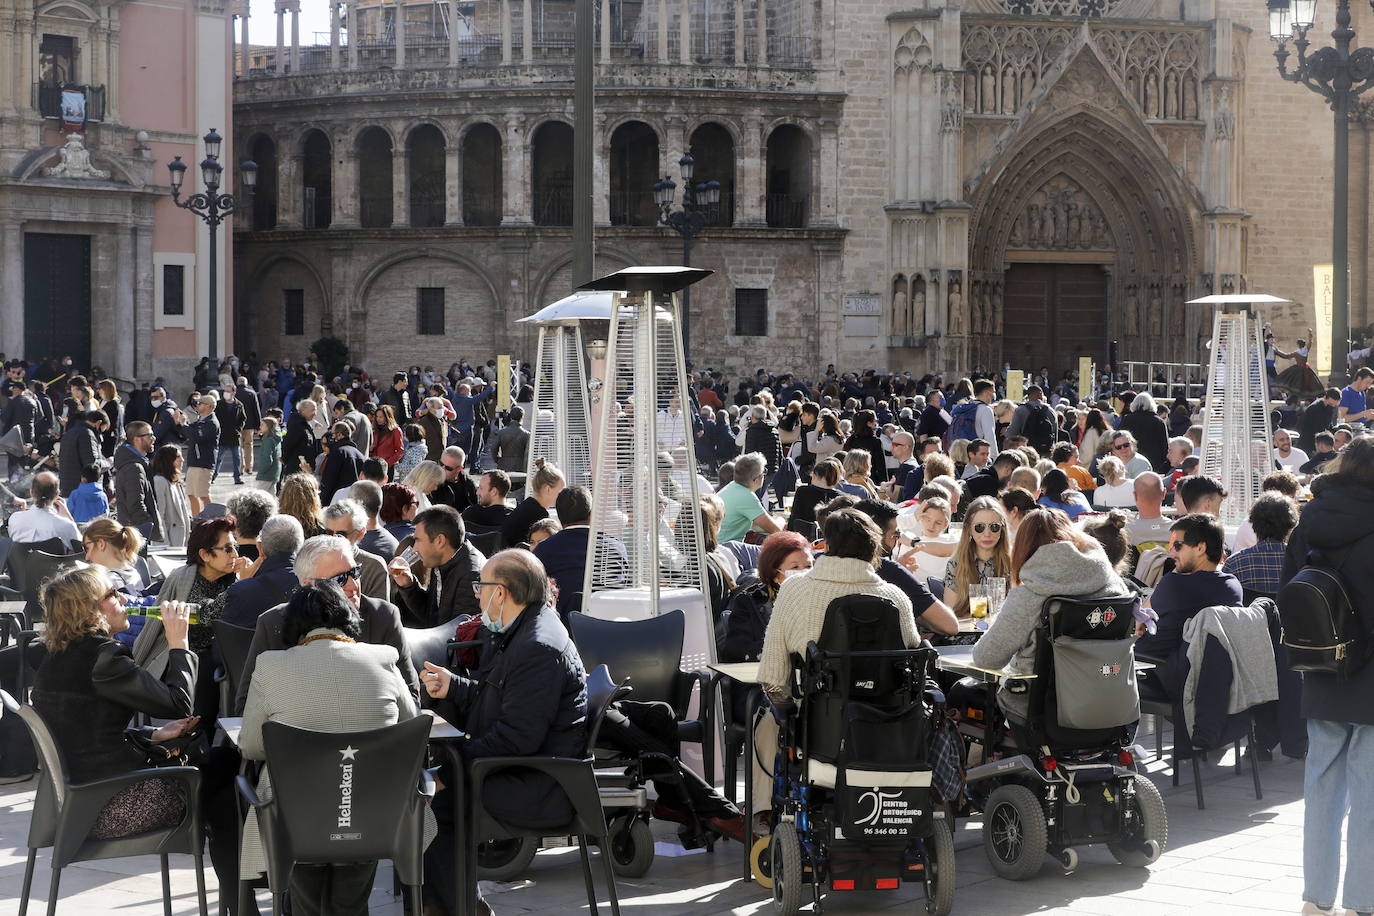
<point x="149" y="606"/>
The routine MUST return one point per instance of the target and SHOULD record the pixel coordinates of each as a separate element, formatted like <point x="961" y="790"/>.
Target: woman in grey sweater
<point x="1051" y="558"/>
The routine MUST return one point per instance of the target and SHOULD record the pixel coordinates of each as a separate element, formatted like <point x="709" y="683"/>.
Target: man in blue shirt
<point x="1354" y="405"/>
<point x="1196" y="542"/>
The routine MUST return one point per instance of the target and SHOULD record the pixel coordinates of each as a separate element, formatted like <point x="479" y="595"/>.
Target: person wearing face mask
<point x="527" y="697"/>
<point x="166" y="420"/>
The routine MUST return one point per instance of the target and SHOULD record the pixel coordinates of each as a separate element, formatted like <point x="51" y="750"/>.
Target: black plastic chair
<point x="63" y="815"/>
<point x="488" y="542"/>
<point x="386" y="820"/>
<point x="233" y="644"/>
<point x="578" y="780"/>
<point x="648" y="653"/>
<point x="40" y="566"/>
<point x="430" y="644"/>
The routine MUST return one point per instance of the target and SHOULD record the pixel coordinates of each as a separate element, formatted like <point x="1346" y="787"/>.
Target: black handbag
<point x="185" y="750"/>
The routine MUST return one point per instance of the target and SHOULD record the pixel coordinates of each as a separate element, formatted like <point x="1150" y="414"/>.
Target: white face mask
<point x="493" y="624"/>
<point x="789" y="573"/>
<point x="156" y="403"/>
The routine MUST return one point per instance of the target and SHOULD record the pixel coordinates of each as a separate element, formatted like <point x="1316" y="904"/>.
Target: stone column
<point x="296" y="36"/>
<point x="290" y="191"/>
<point x="601" y="177"/>
<point x="345" y="189"/>
<point x="143" y="298"/>
<point x="749" y="193"/>
<point x="662" y="55"/>
<point x="515" y="179"/>
<point x="452" y="39"/>
<point x="505" y="32"/>
<point x="684" y="31"/>
<point x="122" y="345"/>
<point x="527" y="31"/>
<point x="7" y="56"/>
<point x="400" y="183"/>
<point x="281" y="40"/>
<point x="12" y="284"/>
<point x="453" y="182"/>
<point x="825" y="183"/>
<point x="674" y="148"/>
<point x="740" y="37"/>
<point x="334" y="60"/>
<point x="245" y="46"/>
<point x="605" y="33"/>
<point x="351" y="11"/>
<point x="400" y="32"/>
<point x="762" y="29"/>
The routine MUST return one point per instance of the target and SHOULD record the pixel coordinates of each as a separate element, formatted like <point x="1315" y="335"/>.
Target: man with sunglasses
<point x="329" y="557"/>
<point x="1123" y="447"/>
<point x="1196" y="543"/>
<point x="457" y="490"/>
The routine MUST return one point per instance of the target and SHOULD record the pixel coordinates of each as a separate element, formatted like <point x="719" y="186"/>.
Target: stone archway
<point x="1086" y="195"/>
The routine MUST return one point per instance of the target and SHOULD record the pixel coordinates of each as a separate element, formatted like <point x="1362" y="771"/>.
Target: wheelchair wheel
<point x="1014" y="832"/>
<point x="786" y="870"/>
<point x="632" y="847"/>
<point x="1152" y="827"/>
<point x="761" y="862"/>
<point x="940" y="889"/>
<point x="505" y="860"/>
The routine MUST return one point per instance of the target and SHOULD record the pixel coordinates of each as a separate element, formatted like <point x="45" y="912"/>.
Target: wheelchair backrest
<point x="859" y="702"/>
<point x="1085" y="691"/>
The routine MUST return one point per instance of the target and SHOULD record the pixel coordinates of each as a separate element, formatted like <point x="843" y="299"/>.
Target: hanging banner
<point x="1323" y="300"/>
<point x="73" y="110"/>
<point x="1085" y="378"/>
<point x="1016" y="385"/>
<point x="503" y="382"/>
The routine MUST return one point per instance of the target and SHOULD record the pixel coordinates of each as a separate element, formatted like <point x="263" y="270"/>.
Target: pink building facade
<point x="96" y="262"/>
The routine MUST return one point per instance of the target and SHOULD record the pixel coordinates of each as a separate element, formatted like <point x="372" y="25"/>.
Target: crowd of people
<point x="363" y="505"/>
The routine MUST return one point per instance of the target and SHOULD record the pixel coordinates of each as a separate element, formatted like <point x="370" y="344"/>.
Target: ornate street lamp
<point x="687" y="222"/>
<point x="213" y="208"/>
<point x="1339" y="75"/>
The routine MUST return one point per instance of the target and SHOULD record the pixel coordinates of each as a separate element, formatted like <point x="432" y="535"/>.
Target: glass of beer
<point x="978" y="601"/>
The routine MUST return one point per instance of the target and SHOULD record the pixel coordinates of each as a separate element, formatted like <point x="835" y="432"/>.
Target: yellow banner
<point x="1016" y="384"/>
<point x="1085" y="378"/>
<point x="503" y="382"/>
<point x="1323" y="302"/>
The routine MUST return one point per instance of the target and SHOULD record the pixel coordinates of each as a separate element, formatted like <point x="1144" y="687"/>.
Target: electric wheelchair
<point x="1067" y="777"/>
<point x="853" y="804"/>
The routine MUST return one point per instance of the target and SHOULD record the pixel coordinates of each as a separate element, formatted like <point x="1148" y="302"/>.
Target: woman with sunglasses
<point x="212" y="565"/>
<point x="984" y="553"/>
<point x="1052" y="557"/>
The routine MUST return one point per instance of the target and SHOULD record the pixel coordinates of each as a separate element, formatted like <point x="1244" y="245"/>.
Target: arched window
<point x="317" y="180"/>
<point x="551" y="174"/>
<point x="374" y="179"/>
<point x="634" y="169"/>
<point x="713" y="148"/>
<point x="263" y="152"/>
<point x="425" y="151"/>
<point x="481" y="163"/>
<point x="789" y="177"/>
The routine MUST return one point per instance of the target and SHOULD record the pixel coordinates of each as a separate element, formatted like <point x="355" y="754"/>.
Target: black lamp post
<point x="214" y="208"/>
<point x="688" y="221"/>
<point x="1339" y="75"/>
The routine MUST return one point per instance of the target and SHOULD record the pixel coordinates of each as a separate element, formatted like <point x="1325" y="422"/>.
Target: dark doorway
<point x="713" y="148"/>
<point x="634" y="169"/>
<point x="552" y="174"/>
<point x="317" y="180"/>
<point x="264" y="153"/>
<point x="481" y="161"/>
<point x="57" y="297"/>
<point x="374" y="179"/>
<point x="1053" y="314"/>
<point x="427" y="176"/>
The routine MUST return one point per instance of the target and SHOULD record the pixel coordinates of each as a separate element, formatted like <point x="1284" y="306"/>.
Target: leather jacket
<point x="88" y="692"/>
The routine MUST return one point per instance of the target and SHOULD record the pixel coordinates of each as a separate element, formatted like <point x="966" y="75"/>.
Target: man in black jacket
<point x="252" y="420"/>
<point x="454" y="566"/>
<point x="1318" y="417"/>
<point x="232" y="419"/>
<point x="134" y="499"/>
<point x="342" y="466"/>
<point x="166" y="418"/>
<point x="299" y="441"/>
<point x="80" y="449"/>
<point x="20" y="413"/>
<point x="274" y="582"/>
<point x="328" y="557"/>
<point x="202" y="439"/>
<point x="399" y="398"/>
<point x="528" y="699"/>
<point x="457" y="490"/>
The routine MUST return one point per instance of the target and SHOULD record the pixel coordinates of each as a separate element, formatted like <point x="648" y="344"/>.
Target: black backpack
<point x="1041" y="430"/>
<point x="1323" y="631"/>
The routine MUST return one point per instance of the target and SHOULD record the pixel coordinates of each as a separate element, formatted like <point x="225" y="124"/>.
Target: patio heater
<point x="1237" y="447"/>
<point x="560" y="424"/>
<point x="648" y="556"/>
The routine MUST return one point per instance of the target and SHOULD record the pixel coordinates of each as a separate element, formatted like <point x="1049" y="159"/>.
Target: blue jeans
<point x="1339" y="779"/>
<point x="236" y="452"/>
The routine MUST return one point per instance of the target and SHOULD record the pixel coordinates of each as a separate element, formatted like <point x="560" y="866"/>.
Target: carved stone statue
<point x="1132" y="312"/>
<point x="901" y="318"/>
<point x="75" y="161"/>
<point x="1051" y="236"/>
<point x="1036" y="232"/>
<point x="956" y="309"/>
<point x="1156" y="314"/>
<point x="917" y="323"/>
<point x="1018" y="232"/>
<point x="995" y="310"/>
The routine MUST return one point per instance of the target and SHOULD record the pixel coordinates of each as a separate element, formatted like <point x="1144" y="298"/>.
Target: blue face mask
<point x="491" y="623"/>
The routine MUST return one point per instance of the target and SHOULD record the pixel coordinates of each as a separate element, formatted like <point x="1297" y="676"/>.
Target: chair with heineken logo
<point x="344" y="797"/>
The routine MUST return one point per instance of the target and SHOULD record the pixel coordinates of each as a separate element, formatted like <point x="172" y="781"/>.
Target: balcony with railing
<point x="481" y="208"/>
<point x="786" y="211"/>
<point x="48" y="100"/>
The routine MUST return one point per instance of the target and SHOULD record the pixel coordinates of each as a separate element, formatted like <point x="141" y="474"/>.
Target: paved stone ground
<point x="1240" y="856"/>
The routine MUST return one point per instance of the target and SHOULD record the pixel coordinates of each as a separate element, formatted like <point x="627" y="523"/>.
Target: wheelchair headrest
<point x="859" y="623"/>
<point x="1104" y="617"/>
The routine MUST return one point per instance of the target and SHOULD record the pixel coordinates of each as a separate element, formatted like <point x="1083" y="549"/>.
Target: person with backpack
<point x="1035" y="420"/>
<point x="973" y="419"/>
<point x="1335" y="541"/>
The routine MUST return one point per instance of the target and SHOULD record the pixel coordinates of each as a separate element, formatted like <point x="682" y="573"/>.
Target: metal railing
<point x="633" y="208"/>
<point x="1166" y="380"/>
<point x="553" y="206"/>
<point x="481" y="208"/>
<point x="48" y="100"/>
<point x="785" y="211"/>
